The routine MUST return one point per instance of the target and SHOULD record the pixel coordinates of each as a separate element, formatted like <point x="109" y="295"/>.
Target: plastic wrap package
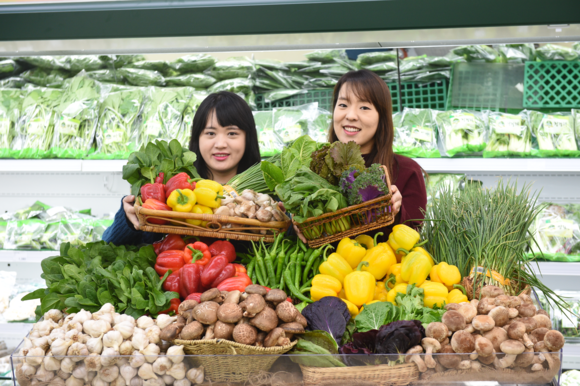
<point x="116" y="131"/>
<point x="184" y="134"/>
<point x="162" y="113"/>
<point x="108" y="76"/>
<point x="49" y="62"/>
<point x="77" y="63"/>
<point x="77" y="116"/>
<point x="10" y="110"/>
<point x="319" y="126"/>
<point x="325" y="56"/>
<point x="324" y="82"/>
<point x="554" y="135"/>
<point x="8" y="68"/>
<point x="46" y="77"/>
<point x="7" y="282"/>
<point x="556" y="232"/>
<point x="13" y="82"/>
<point x="300" y="64"/>
<point x="143" y="78"/>
<point x="271" y="64"/>
<point x="240" y="86"/>
<point x="509" y="135"/>
<point x="431" y="74"/>
<point x="49" y="239"/>
<point x="151" y="65"/>
<point x="570" y="378"/>
<point x="191" y="80"/>
<point x="3" y="225"/>
<point x="30" y="211"/>
<point x="99" y="227"/>
<point x="554" y="52"/>
<point x="270" y="143"/>
<point x="36" y="128"/>
<point x="293" y="122"/>
<point x="437" y="182"/>
<point x="278" y="76"/>
<point x="118" y="61"/>
<point x="368" y="58"/>
<point x="275" y="95"/>
<point x="412" y="63"/>
<point x="335" y="71"/>
<point x="24" y="234"/>
<point x="478" y="53"/>
<point x="193" y="63"/>
<point x="238" y="67"/>
<point x="265" y="84"/>
<point x="516" y="53"/>
<point x="567" y="320"/>
<point x="415" y="134"/>
<point x="77" y="231"/>
<point x="462" y="132"/>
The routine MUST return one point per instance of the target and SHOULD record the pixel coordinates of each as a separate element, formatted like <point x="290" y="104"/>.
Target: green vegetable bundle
<point x="270" y="143"/>
<point x="368" y="58"/>
<point x="325" y="56"/>
<point x="77" y="63"/>
<point x="36" y="129"/>
<point x="237" y="67"/>
<point x="240" y="86"/>
<point x="193" y="63"/>
<point x="99" y="273"/>
<point x="462" y="132"/>
<point x="415" y="134"/>
<point x="10" y="109"/>
<point x="510" y="135"/>
<point x="13" y="82"/>
<point x="9" y="67"/>
<point x="554" y="52"/>
<point x="118" y="61"/>
<point x="554" y="135"/>
<point x="191" y="80"/>
<point x="116" y="130"/>
<point x="107" y="76"/>
<point x="76" y="119"/>
<point x="45" y="77"/>
<point x="139" y="77"/>
<point x="160" y="66"/>
<point x="478" y="53"/>
<point x="195" y="101"/>
<point x="48" y="62"/>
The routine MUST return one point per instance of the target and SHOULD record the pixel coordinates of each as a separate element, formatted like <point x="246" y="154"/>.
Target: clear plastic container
<point x="568" y="323"/>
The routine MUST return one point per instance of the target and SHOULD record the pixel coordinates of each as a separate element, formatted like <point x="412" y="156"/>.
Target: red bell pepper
<point x="172" y="282"/>
<point x="174" y="305"/>
<point x="155" y="205"/>
<point x="197" y="253"/>
<point x="179" y="181"/>
<point x="213" y="269"/>
<point x="222" y="247"/>
<point x="228" y="271"/>
<point x="190" y="280"/>
<point x="169" y="243"/>
<point x="194" y="296"/>
<point x="156" y="191"/>
<point x="235" y="283"/>
<point x="240" y="268"/>
<point x="169" y="260"/>
<point x="159" y="179"/>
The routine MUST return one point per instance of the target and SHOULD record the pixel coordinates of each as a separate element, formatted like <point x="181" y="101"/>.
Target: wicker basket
<point x="379" y="375"/>
<point x="361" y="218"/>
<point x="227" y="361"/>
<point x="241" y="228"/>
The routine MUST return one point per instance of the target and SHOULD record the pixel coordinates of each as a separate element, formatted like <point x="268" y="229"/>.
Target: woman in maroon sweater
<point x="363" y="113"/>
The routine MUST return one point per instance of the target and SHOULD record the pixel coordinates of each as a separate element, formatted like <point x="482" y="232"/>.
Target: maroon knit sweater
<point x="409" y="179"/>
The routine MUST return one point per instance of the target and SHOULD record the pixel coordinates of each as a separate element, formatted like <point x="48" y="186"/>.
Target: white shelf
<point x="571" y="359"/>
<point x="62" y="165"/>
<point x="7" y="256"/>
<point x="558" y="275"/>
<point x="13" y="333"/>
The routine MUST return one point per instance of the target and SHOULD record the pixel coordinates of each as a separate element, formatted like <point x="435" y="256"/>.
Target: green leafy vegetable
<point x="462" y="132"/>
<point x="138" y="77"/>
<point x="237" y="67"/>
<point x="13" y="82"/>
<point x="415" y="133"/>
<point x="332" y="160"/>
<point x="193" y="63"/>
<point x="48" y="62"/>
<point x="412" y="307"/>
<point x="108" y="76"/>
<point x="478" y="53"/>
<point x="151" y="65"/>
<point x="509" y="135"/>
<point x="554" y="52"/>
<point x="45" y="77"/>
<point x="118" y="61"/>
<point x="10" y="107"/>
<point x="319" y="348"/>
<point x="369" y="58"/>
<point x="554" y="134"/>
<point x="375" y="315"/>
<point x="191" y="80"/>
<point x="77" y="63"/>
<point x="325" y="56"/>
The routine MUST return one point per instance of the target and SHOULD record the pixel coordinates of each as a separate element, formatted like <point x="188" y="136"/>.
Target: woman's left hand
<point x="396" y="200"/>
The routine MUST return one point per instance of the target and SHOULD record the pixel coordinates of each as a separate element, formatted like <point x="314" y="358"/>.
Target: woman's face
<point x="355" y="120"/>
<point x="222" y="148"/>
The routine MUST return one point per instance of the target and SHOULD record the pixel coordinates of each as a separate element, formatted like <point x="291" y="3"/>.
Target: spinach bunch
<point x="88" y="277"/>
<point x="145" y="165"/>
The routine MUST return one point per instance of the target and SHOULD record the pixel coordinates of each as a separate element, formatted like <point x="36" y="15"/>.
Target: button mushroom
<point x="286" y="311"/>
<point x="266" y="320"/>
<point x="500" y="315"/>
<point x="256" y="289"/>
<point x="437" y="330"/>
<point x="468" y="311"/>
<point x="276" y="296"/>
<point x="453" y="320"/>
<point x="496" y="336"/>
<point x="542" y="321"/>
<point x="483" y="347"/>
<point x="450" y="360"/>
<point x="517" y="331"/>
<point x="292" y="328"/>
<point x="229" y="313"/>
<point x="452" y="306"/>
<point x="276" y="337"/>
<point x="491" y="291"/>
<point x="209" y="333"/>
<point x="513" y="313"/>
<point x="554" y="340"/>
<point x="503" y="300"/>
<point x="538" y="334"/>
<point x="186" y="305"/>
<point x="430" y="345"/>
<point x="223" y="330"/>
<point x="483" y="323"/>
<point x="253" y="305"/>
<point x="192" y="331"/>
<point x="512" y="348"/>
<point x="485" y="305"/>
<point x="245" y="334"/>
<point x="171" y="332"/>
<point x="413" y="357"/>
<point x="527" y="310"/>
<point x="463" y="342"/>
<point x="515" y="302"/>
<point x="206" y="312"/>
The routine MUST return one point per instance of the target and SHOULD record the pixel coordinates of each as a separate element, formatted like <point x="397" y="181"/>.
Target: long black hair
<point x="230" y="110"/>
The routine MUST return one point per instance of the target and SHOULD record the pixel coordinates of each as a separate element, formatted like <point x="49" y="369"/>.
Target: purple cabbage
<point x="328" y="314"/>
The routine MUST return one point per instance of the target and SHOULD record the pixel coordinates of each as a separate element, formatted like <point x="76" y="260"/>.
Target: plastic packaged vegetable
<point x="478" y="53"/>
<point x="118" y="61"/>
<point x="292" y="122"/>
<point x="3" y="225"/>
<point x="554" y="135"/>
<point x="184" y="134"/>
<point x="10" y="108"/>
<point x="462" y="132"/>
<point x="381" y="67"/>
<point x="76" y="231"/>
<point x="9" y="67"/>
<point x="138" y="77"/>
<point x="77" y="63"/>
<point x="13" y="82"/>
<point x="108" y="76"/>
<point x="49" y="239"/>
<point x="275" y="95"/>
<point x="300" y="64"/>
<point x="99" y="227"/>
<point x="369" y="58"/>
<point x="509" y="135"/>
<point x="271" y="64"/>
<point x="437" y="182"/>
<point x="76" y="118"/>
<point x="24" y="234"/>
<point x="325" y="56"/>
<point x="191" y="80"/>
<point x="318" y="127"/>
<point x="116" y="131"/>
<point x="238" y="67"/>
<point x="412" y="63"/>
<point x="36" y="128"/>
<point x="415" y="134"/>
<point x="45" y="77"/>
<point x="240" y="86"/>
<point x="49" y="62"/>
<point x="152" y="65"/>
<point x="556" y="233"/>
<point x="270" y="143"/>
<point x="277" y="76"/>
<point x="193" y="63"/>
<point x="555" y="52"/>
<point x="516" y="53"/>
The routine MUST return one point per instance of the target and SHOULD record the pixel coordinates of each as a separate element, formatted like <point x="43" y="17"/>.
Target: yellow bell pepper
<point x="351" y="251"/>
<point x="181" y="200"/>
<point x="404" y="252"/>
<point x="342" y="294"/>
<point x="403" y="236"/>
<point x="435" y="294"/>
<point x="395" y="271"/>
<point x="199" y="209"/>
<point x="365" y="240"/>
<point x="359" y="286"/>
<point x="208" y="197"/>
<point x="381" y="292"/>
<point x="213" y="185"/>
<point x="324" y="285"/>
<point x="354" y="311"/>
<point x="400" y="288"/>
<point x="335" y="266"/>
<point x="415" y="268"/>
<point x="366" y="304"/>
<point x="380" y="259"/>
<point x="457" y="295"/>
<point x="446" y="274"/>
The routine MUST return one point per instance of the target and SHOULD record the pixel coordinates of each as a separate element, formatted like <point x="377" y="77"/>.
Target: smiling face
<point x="222" y="148"/>
<point x="355" y="119"/>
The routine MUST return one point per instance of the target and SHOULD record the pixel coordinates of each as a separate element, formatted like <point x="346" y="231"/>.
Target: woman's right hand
<point x="300" y="235"/>
<point x="129" y="209"/>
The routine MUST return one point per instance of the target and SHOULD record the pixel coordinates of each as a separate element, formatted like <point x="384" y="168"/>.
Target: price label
<point x="462" y="121"/>
<point x="113" y="136"/>
<point x="290" y="133"/>
<point x="556" y="125"/>
<point x="506" y="124"/>
<point x="36" y="126"/>
<point x="422" y="133"/>
<point x="68" y="126"/>
<point x="152" y="128"/>
<point x="559" y="228"/>
<point x="4" y="126"/>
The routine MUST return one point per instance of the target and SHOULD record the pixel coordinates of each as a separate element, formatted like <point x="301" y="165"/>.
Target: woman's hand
<point x="396" y="200"/>
<point x="129" y="209"/>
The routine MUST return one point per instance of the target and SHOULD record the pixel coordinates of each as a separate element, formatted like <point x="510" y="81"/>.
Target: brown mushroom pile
<point x="254" y="317"/>
<point x="251" y="205"/>
<point x="498" y="330"/>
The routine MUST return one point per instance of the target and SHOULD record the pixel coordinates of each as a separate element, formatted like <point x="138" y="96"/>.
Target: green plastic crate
<point x="554" y="84"/>
<point x="415" y="95"/>
<point x="485" y="86"/>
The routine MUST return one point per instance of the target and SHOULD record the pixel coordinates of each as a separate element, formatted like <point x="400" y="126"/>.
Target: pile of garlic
<point x="101" y="349"/>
